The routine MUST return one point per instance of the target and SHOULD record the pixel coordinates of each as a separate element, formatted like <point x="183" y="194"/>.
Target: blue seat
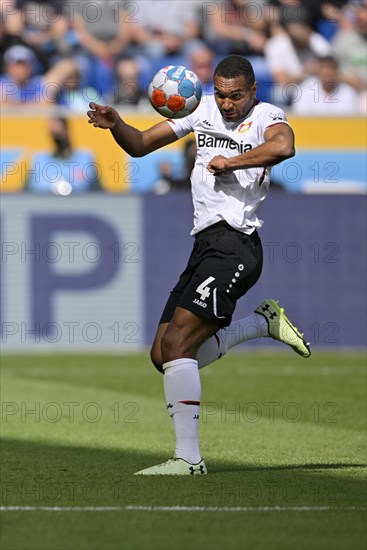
<point x="327" y="28"/>
<point x="326" y="171"/>
<point x="264" y="79"/>
<point x="13" y="169"/>
<point x="47" y="171"/>
<point x="7" y="158"/>
<point x="144" y="172"/>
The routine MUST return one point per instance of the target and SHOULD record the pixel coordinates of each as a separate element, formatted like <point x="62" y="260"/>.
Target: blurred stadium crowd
<point x="70" y="51"/>
<point x="309" y="56"/>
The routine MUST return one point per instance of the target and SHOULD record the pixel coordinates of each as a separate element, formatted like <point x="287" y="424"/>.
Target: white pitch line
<point x="225" y="509"/>
<point x="242" y="508"/>
<point x="292" y="371"/>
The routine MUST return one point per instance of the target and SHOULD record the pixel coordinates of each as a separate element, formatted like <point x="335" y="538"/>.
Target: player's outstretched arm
<point x="134" y="142"/>
<point x="278" y="146"/>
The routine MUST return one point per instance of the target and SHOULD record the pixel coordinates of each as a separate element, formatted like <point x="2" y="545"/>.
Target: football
<point x="175" y="91"/>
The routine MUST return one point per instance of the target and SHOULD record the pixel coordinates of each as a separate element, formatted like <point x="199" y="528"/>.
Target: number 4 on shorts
<point x="203" y="289"/>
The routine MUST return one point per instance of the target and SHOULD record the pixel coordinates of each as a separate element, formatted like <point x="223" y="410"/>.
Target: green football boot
<point x="280" y="327"/>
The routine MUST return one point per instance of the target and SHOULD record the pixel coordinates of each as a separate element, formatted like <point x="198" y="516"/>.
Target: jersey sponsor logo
<point x="244" y="127"/>
<point x="200" y="303"/>
<point x="223" y="143"/>
<point x="277" y="116"/>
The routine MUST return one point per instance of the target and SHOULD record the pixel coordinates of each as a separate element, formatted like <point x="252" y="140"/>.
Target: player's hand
<point x="102" y="116"/>
<point x="219" y="166"/>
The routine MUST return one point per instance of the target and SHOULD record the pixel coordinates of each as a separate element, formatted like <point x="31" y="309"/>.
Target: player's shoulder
<point x="270" y="112"/>
<point x="207" y="103"/>
<point x="206" y="106"/>
<point x="263" y="106"/>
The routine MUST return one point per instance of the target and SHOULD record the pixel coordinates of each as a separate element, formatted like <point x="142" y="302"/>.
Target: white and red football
<point x="175" y="91"/>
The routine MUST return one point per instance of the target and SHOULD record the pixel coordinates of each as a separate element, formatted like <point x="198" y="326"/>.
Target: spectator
<point x="329" y="18"/>
<point x="66" y="169"/>
<point x="102" y="33"/>
<point x="165" y="180"/>
<point x="127" y="90"/>
<point x="168" y="180"/>
<point x="324" y="94"/>
<point x="236" y="27"/>
<point x="11" y="29"/>
<point x="11" y="20"/>
<point x="292" y="51"/>
<point x="18" y="85"/>
<point x="349" y="46"/>
<point x="43" y="28"/>
<point x="201" y="62"/>
<point x="74" y="97"/>
<point x="190" y="151"/>
<point x="10" y="16"/>
<point x="289" y="9"/>
<point x="165" y="28"/>
<point x="157" y="29"/>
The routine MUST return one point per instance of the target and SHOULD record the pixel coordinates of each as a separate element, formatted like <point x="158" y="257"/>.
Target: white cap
<point x="19" y="53"/>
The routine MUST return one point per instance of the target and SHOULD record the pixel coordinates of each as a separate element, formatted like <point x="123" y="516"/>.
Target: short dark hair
<point x="233" y="66"/>
<point x="330" y="60"/>
<point x="295" y="14"/>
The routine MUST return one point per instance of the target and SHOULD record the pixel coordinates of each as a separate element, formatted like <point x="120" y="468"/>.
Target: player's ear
<point x="254" y="87"/>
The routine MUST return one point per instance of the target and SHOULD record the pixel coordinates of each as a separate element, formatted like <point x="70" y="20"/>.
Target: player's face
<point x="234" y="97"/>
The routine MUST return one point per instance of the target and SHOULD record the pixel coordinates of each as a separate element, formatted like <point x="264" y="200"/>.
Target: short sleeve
<point x="270" y="116"/>
<point x="182" y="126"/>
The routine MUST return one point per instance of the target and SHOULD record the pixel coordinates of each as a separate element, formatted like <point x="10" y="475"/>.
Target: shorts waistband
<point x="219" y="226"/>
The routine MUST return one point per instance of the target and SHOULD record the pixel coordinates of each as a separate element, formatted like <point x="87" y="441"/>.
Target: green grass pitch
<point x="283" y="439"/>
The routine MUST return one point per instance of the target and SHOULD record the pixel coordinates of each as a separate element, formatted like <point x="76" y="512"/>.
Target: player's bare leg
<point x="156" y="349"/>
<point x="268" y="320"/>
<point x="252" y="327"/>
<point x="188" y="343"/>
<point x="180" y="341"/>
<point x="257" y="325"/>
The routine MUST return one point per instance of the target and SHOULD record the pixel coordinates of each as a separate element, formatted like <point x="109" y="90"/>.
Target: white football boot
<point x="174" y="467"/>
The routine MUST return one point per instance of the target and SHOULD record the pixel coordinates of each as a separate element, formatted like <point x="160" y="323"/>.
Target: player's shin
<point x="251" y="327"/>
<point x="182" y="390"/>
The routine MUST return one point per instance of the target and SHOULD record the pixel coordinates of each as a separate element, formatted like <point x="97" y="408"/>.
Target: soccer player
<point x="238" y="140"/>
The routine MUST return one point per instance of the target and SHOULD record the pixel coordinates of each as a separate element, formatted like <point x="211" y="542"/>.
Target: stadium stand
<point x="13" y="167"/>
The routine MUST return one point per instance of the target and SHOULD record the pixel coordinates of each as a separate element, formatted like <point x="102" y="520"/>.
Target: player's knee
<point x="173" y="347"/>
<point x="167" y="346"/>
<point x="156" y="359"/>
